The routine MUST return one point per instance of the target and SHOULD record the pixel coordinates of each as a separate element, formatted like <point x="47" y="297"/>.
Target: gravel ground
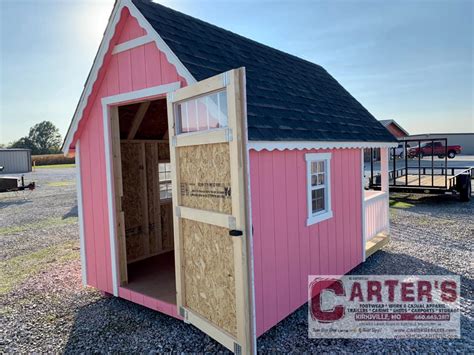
<point x="45" y="309"/>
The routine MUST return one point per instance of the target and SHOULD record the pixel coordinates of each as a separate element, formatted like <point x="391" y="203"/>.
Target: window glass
<point x="319" y="187"/>
<point x="203" y="113"/>
<point x="164" y="171"/>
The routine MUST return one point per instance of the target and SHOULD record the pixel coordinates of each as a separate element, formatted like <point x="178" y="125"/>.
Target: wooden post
<point x="384" y="169"/>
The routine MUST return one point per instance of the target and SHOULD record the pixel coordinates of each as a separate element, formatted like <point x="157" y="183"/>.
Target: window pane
<point x="317" y="200"/>
<point x="314" y="180"/>
<point x="320" y="166"/>
<point x="320" y="179"/>
<point x="314" y="167"/>
<point x="203" y="113"/>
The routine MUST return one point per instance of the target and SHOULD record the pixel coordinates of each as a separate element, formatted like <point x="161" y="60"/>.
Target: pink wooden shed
<point x="215" y="174"/>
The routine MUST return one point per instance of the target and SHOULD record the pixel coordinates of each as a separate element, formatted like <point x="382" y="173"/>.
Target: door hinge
<point x="228" y="135"/>
<point x="183" y="313"/>
<point x="232" y="222"/>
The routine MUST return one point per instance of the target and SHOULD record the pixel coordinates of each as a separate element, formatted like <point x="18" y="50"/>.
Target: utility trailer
<point x="423" y="173"/>
<point x="12" y="183"/>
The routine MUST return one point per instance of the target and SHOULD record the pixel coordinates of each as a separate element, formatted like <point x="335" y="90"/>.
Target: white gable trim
<point x="301" y="145"/>
<point x="99" y="61"/>
<point x="160" y="43"/>
<point x="133" y="43"/>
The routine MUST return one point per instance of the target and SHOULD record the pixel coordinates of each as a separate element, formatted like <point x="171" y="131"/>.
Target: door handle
<point x="235" y="233"/>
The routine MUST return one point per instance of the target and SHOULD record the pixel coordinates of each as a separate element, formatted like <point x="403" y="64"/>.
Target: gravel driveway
<point x="45" y="309"/>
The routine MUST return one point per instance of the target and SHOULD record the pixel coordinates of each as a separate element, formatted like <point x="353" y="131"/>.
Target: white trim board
<point x="313" y="218"/>
<point x="110" y="103"/>
<point x="362" y="182"/>
<point x="133" y="43"/>
<point x="80" y="214"/>
<point x="99" y="61"/>
<point x="302" y="145"/>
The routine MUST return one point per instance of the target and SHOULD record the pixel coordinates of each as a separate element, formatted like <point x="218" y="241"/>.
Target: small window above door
<point x="203" y="113"/>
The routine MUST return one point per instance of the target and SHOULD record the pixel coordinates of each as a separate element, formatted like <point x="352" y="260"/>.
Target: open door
<point x="207" y="139"/>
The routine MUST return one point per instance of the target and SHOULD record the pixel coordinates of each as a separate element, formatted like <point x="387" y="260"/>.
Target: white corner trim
<point x="133" y="43"/>
<point x="99" y="60"/>
<point x="80" y="214"/>
<point x="362" y="199"/>
<point x="327" y="213"/>
<point x="142" y="94"/>
<point x="110" y="197"/>
<point x="110" y="103"/>
<point x="303" y="145"/>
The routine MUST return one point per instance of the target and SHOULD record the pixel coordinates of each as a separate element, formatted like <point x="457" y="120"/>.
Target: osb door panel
<point x="209" y="199"/>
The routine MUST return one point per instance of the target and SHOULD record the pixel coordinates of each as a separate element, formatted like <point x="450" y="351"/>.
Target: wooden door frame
<point x="113" y="168"/>
<point x="234" y="82"/>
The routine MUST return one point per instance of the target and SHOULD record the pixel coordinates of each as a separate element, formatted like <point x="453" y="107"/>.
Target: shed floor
<point x="154" y="277"/>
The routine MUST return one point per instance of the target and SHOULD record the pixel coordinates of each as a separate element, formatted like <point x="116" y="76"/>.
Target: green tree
<point x="43" y="138"/>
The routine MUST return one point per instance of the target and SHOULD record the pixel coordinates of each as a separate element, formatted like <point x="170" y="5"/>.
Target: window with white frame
<point x="318" y="166"/>
<point x="164" y="170"/>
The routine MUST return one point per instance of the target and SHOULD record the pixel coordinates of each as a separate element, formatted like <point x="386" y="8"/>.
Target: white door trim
<point x="80" y="214"/>
<point x="109" y="103"/>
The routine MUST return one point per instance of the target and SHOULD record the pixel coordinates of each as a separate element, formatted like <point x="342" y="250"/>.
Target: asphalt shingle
<point x="288" y="98"/>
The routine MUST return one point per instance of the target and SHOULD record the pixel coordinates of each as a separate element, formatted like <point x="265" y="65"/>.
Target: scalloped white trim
<point x="99" y="61"/>
<point x="302" y="145"/>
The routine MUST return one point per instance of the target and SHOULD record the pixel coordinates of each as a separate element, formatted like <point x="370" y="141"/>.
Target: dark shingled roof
<point x="288" y="98"/>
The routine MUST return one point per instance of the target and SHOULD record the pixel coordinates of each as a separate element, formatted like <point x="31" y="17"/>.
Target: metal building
<point x="15" y="160"/>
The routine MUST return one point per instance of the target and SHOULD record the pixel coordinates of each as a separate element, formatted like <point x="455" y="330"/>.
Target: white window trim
<point x="327" y="213"/>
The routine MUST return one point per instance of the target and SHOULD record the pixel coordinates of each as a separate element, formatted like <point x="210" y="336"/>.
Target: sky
<point x="407" y="60"/>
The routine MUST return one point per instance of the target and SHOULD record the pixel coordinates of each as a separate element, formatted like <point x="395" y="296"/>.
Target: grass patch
<point x="61" y="183"/>
<point x="50" y="222"/>
<point x="400" y="204"/>
<point x="16" y="270"/>
<point x="56" y="166"/>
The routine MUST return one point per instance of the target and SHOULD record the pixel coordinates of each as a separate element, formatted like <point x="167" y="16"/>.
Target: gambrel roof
<point x="288" y="98"/>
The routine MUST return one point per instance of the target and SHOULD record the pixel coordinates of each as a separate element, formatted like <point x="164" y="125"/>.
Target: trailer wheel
<point x="451" y="154"/>
<point x="465" y="193"/>
<point x="441" y="156"/>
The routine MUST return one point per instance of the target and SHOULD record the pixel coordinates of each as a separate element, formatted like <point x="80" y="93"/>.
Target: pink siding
<point x="286" y="251"/>
<point x="149" y="302"/>
<point x="135" y="69"/>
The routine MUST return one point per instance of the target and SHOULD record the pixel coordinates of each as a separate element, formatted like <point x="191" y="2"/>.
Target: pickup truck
<point x="438" y="149"/>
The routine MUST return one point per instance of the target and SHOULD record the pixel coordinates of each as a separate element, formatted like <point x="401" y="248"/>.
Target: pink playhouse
<point x="215" y="174"/>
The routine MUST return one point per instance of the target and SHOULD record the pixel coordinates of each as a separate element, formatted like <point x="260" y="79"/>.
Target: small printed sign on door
<point x="206" y="190"/>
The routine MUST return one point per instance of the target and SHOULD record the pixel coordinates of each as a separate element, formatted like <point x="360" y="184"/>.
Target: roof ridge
<point x="255" y="42"/>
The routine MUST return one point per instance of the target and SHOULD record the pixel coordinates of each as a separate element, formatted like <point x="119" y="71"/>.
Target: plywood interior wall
<point x="148" y="220"/>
